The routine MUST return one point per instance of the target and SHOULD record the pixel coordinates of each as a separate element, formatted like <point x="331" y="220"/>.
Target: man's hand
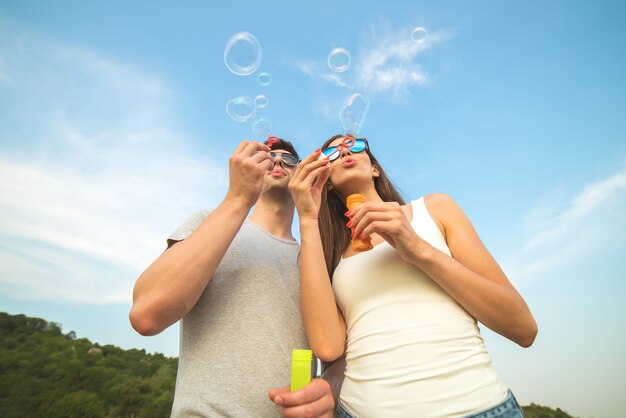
<point x="247" y="168"/>
<point x="313" y="400"/>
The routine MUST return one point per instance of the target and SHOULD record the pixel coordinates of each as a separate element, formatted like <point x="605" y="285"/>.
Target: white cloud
<point x="318" y="72"/>
<point x="93" y="173"/>
<point x="387" y="65"/>
<point x="336" y="80"/>
<point x="560" y="235"/>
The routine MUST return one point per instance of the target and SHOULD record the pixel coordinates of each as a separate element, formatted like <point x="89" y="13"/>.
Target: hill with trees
<point x="46" y="373"/>
<point x="538" y="411"/>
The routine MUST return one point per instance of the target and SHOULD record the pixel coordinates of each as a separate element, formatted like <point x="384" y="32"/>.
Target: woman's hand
<point x="307" y="183"/>
<point x="386" y="219"/>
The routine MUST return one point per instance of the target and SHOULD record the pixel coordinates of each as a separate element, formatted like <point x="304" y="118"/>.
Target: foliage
<point x="538" y="411"/>
<point x="45" y="373"/>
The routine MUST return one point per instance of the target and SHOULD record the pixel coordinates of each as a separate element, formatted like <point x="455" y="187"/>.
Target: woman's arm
<point x="471" y="276"/>
<point x="323" y="321"/>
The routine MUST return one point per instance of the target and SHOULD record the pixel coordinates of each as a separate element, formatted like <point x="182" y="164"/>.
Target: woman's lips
<point x="348" y="162"/>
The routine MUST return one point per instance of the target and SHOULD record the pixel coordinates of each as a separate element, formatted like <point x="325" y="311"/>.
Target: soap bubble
<point x="262" y="126"/>
<point x="242" y="53"/>
<point x="264" y="79"/>
<point x="353" y="114"/>
<point x="241" y="109"/>
<point x="261" y="101"/>
<point x="339" y="59"/>
<point x="419" y="34"/>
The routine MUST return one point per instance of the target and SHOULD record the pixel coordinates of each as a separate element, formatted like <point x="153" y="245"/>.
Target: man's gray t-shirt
<point x="236" y="342"/>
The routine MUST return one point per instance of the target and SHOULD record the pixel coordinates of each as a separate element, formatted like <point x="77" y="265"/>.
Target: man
<point x="233" y="283"/>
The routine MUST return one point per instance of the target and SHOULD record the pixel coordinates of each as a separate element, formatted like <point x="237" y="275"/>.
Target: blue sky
<point x="113" y="129"/>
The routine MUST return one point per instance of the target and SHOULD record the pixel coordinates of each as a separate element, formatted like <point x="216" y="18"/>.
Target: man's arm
<point x="173" y="283"/>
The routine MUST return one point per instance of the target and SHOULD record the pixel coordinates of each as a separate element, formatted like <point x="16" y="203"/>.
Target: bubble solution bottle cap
<point x="300" y="368"/>
<point x="358" y="244"/>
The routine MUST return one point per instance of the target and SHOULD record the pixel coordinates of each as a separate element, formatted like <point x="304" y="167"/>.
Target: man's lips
<point x="277" y="172"/>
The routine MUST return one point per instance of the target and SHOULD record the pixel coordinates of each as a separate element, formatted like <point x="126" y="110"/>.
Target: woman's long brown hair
<point x="332" y="221"/>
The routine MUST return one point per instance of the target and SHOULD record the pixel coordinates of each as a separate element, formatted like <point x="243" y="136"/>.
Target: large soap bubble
<point x="419" y="34"/>
<point x="242" y="53"/>
<point x="339" y="59"/>
<point x="241" y="109"/>
<point x="262" y="126"/>
<point x="353" y="113"/>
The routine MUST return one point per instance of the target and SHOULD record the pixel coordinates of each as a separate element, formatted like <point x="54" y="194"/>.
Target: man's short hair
<point x="285" y="146"/>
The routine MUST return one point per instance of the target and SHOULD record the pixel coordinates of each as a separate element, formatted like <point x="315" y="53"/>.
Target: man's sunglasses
<point x="289" y="159"/>
<point x="354" y="145"/>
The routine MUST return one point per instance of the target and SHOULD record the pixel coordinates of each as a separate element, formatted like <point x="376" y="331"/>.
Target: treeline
<point x="45" y="373"/>
<point x="538" y="411"/>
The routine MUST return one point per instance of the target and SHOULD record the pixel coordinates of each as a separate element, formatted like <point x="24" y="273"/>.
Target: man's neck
<point x="273" y="216"/>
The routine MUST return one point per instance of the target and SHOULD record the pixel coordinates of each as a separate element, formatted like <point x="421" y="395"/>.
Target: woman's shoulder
<point x="435" y="203"/>
<point x="445" y="211"/>
<point x="438" y="205"/>
<point x="442" y="208"/>
<point x="438" y="201"/>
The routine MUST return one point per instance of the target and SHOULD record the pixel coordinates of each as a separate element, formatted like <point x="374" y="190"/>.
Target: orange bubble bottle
<point x="358" y="244"/>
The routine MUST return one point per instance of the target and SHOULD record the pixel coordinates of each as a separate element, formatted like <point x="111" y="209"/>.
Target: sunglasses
<point x="354" y="145"/>
<point x="290" y="160"/>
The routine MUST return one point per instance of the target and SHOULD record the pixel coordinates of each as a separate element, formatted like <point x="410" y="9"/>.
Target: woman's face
<point x="350" y="169"/>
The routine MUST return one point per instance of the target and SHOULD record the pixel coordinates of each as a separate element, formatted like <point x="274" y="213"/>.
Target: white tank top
<point x="412" y="351"/>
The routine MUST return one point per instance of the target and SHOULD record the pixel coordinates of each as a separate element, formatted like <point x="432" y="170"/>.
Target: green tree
<point x="79" y="404"/>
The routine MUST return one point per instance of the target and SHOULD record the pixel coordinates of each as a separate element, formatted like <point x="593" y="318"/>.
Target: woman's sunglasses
<point x="354" y="145"/>
<point x="289" y="159"/>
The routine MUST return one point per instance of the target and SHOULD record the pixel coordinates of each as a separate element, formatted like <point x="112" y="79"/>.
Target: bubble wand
<point x="271" y="140"/>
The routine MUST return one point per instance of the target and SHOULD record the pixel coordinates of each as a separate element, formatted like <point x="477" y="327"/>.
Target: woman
<point x="406" y="311"/>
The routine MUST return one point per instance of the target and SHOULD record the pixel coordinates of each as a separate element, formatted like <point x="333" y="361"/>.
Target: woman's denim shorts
<point x="508" y="408"/>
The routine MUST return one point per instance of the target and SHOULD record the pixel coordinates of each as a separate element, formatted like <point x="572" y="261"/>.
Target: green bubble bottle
<point x="300" y="368"/>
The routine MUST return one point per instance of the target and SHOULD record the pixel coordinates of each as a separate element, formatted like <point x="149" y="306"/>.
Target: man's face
<point x="283" y="168"/>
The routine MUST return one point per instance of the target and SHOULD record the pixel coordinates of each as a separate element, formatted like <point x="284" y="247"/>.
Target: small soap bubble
<point x="419" y="34"/>
<point x="242" y="53"/>
<point x="339" y="60"/>
<point x="261" y="101"/>
<point x="262" y="126"/>
<point x="353" y="113"/>
<point x="264" y="79"/>
<point x="241" y="109"/>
